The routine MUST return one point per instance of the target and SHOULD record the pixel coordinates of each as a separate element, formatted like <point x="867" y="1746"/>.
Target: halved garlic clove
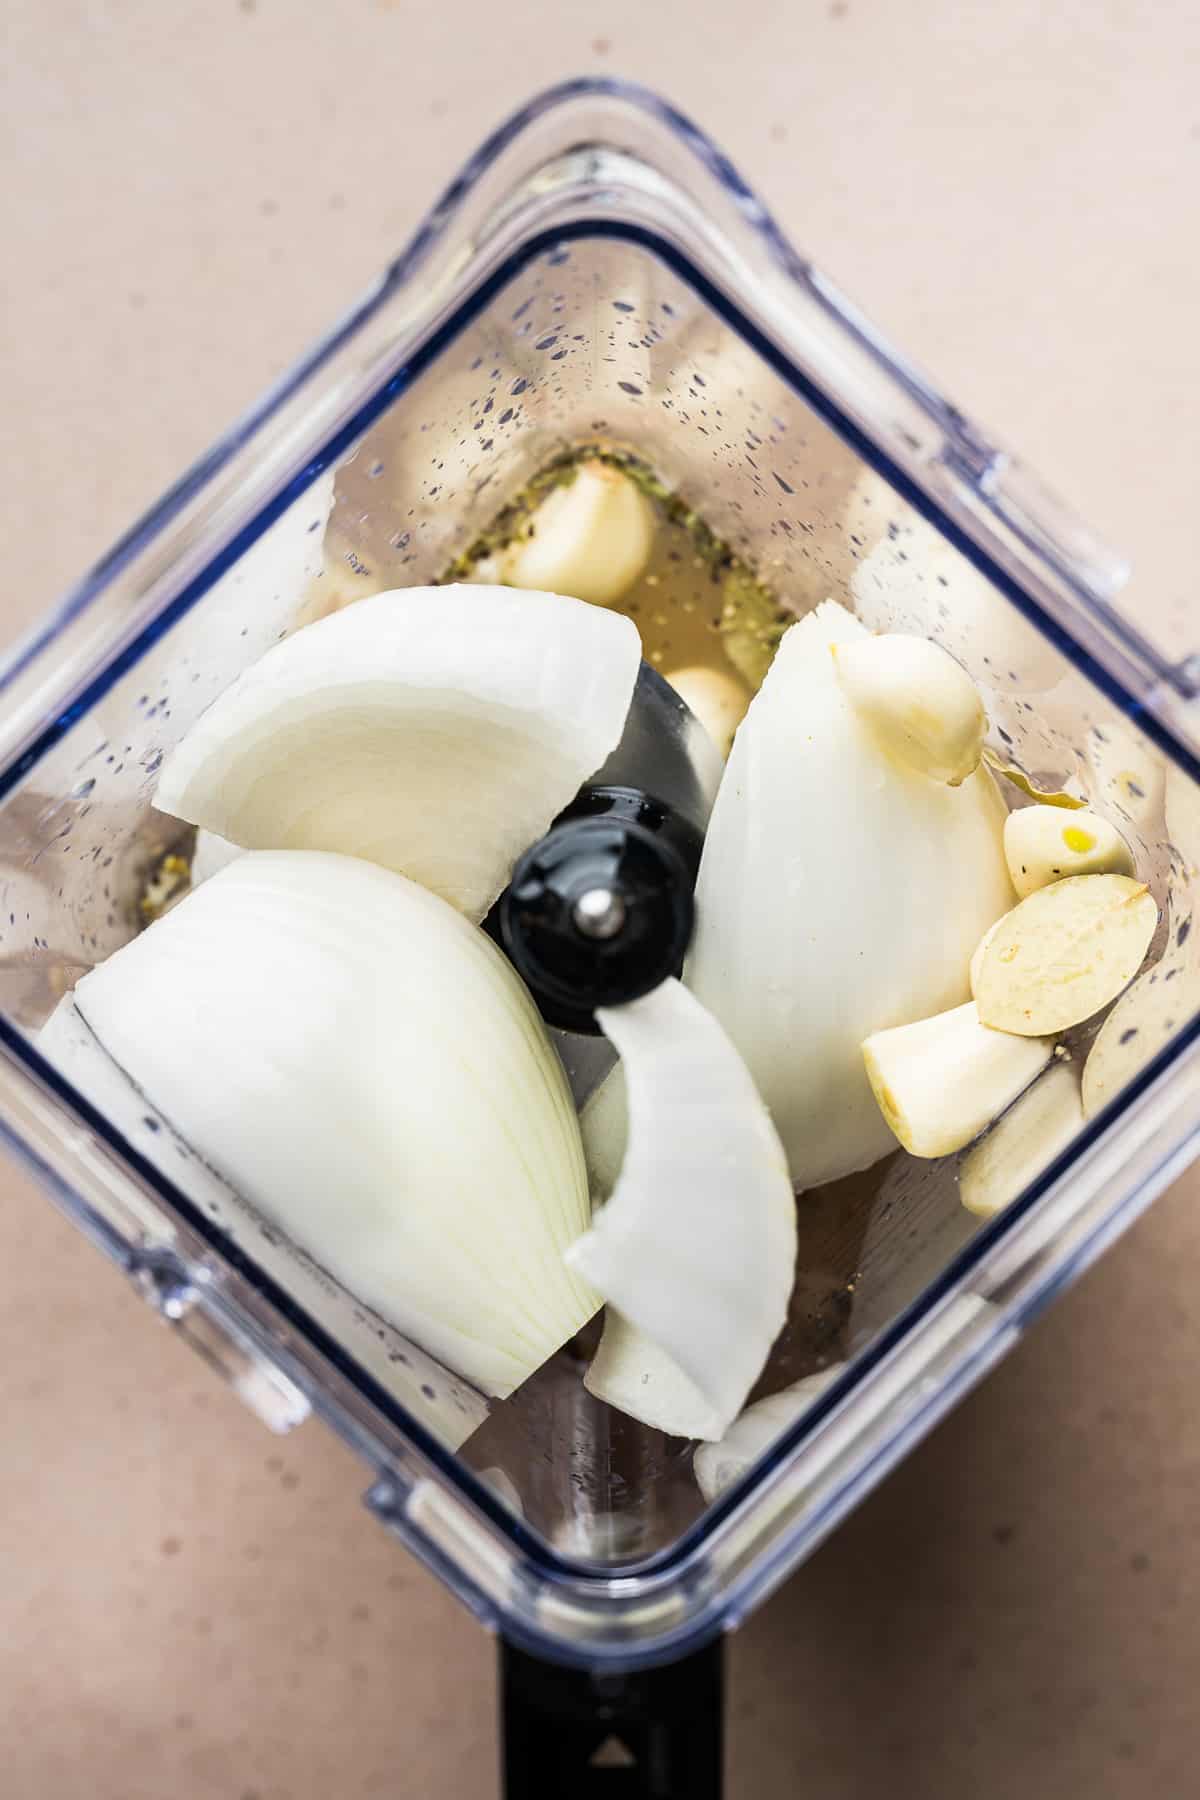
<point x="1044" y="844"/>
<point x="942" y="1081"/>
<point x="719" y="701"/>
<point x="1064" y="953"/>
<point x="922" y="705"/>
<point x="590" y="538"/>
<point x="1022" y="1143"/>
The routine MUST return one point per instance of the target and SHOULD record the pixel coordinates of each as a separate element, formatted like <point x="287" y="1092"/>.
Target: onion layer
<point x="697" y="1246"/>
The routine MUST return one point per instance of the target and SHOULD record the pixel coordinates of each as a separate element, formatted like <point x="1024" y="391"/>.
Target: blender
<point x="597" y="278"/>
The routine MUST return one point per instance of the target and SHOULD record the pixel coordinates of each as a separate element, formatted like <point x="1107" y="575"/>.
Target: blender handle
<point x="644" y="1734"/>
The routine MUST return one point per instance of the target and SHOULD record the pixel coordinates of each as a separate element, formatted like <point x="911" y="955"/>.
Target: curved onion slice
<point x="839" y="894"/>
<point x="630" y="1371"/>
<point x="365" y="1068"/>
<point x="1064" y="953"/>
<point x="436" y="731"/>
<point x="697" y="1246"/>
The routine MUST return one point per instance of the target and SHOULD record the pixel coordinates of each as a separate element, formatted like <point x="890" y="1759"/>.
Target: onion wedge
<point x="366" y="1070"/>
<point x="840" y="893"/>
<point x="435" y="731"/>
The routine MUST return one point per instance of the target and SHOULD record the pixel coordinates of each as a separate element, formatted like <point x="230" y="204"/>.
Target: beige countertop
<point x="191" y="189"/>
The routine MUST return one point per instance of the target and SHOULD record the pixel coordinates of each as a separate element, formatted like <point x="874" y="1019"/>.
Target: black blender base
<point x="579" y="1734"/>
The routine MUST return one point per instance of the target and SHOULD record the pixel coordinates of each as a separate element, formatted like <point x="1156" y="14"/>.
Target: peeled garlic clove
<point x="1064" y="953"/>
<point x="922" y="705"/>
<point x="942" y="1081"/>
<point x="436" y="731"/>
<point x="1023" y="1143"/>
<point x="718" y="1466"/>
<point x="591" y="538"/>
<point x="697" y="1246"/>
<point x="719" y="701"/>
<point x="365" y="1069"/>
<point x="1046" y="843"/>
